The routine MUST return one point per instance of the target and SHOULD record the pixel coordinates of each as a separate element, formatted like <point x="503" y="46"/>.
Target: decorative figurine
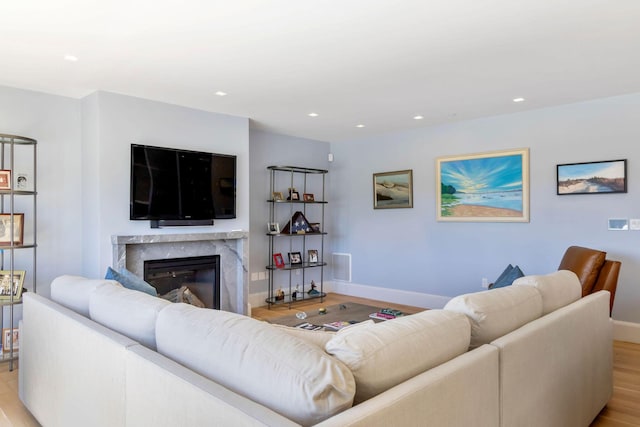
<point x="279" y="294"/>
<point x="313" y="290"/>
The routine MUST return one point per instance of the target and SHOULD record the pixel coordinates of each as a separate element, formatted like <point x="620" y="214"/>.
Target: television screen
<point x="172" y="184"/>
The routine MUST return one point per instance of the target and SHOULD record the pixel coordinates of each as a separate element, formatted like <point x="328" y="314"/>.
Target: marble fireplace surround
<point x="131" y="251"/>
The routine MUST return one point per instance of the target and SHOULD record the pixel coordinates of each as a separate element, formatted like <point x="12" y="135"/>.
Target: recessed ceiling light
<point x="518" y="99"/>
<point x="359" y="126"/>
<point x="418" y="117"/>
<point x="221" y="93"/>
<point x="71" y="58"/>
<point x="313" y="114"/>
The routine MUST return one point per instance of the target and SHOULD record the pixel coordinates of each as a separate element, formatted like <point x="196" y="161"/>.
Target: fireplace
<point x="200" y="274"/>
<point x="130" y="252"/>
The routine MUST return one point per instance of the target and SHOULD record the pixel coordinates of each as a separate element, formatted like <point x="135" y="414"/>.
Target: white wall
<point x="117" y="121"/>
<point x="54" y="121"/>
<point x="408" y="249"/>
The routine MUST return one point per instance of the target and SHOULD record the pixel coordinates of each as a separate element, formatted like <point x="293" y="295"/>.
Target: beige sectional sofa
<point x="101" y="355"/>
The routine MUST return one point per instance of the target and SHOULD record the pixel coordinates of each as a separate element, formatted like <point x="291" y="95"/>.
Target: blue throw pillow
<point x="130" y="281"/>
<point x="508" y="276"/>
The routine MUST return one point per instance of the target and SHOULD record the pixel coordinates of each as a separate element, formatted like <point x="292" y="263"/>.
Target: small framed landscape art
<point x="5" y="229"/>
<point x="491" y="187"/>
<point x="604" y="177"/>
<point x="392" y="190"/>
<point x="6" y="286"/>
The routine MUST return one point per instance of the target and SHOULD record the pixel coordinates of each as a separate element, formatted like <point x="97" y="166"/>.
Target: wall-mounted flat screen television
<point x="180" y="185"/>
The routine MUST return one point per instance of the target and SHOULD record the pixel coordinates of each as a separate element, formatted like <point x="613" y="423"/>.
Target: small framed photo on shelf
<point x="5" y="179"/>
<point x="295" y="258"/>
<point x="294" y="196"/>
<point x="277" y="196"/>
<point x="308" y="197"/>
<point x="278" y="260"/>
<point x="315" y="227"/>
<point x="273" y="228"/>
<point x="6" y="339"/>
<point x="7" y="288"/>
<point x="313" y="256"/>
<point x="5" y="229"/>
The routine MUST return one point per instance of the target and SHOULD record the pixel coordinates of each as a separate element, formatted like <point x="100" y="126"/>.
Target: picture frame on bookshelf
<point x="7" y="288"/>
<point x="313" y="256"/>
<point x="315" y="227"/>
<point x="278" y="260"/>
<point x="5" y="229"/>
<point x="295" y="258"/>
<point x="5" y="179"/>
<point x="277" y="196"/>
<point x="308" y="197"/>
<point x="7" y="334"/>
<point x="273" y="227"/>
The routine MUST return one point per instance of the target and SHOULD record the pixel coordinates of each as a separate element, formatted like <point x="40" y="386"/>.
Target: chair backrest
<point x="594" y="271"/>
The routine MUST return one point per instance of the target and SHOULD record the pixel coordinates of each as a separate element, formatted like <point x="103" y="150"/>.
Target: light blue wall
<point x="54" y="121"/>
<point x="117" y="121"/>
<point x="269" y="149"/>
<point x="408" y="249"/>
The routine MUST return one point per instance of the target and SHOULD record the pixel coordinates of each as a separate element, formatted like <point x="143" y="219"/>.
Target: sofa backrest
<point x="74" y="292"/>
<point x="557" y="289"/>
<point x="383" y="355"/>
<point x="132" y="313"/>
<point x="496" y="312"/>
<point x="282" y="372"/>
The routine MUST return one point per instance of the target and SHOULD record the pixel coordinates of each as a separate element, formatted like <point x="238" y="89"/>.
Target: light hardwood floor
<point x="623" y="410"/>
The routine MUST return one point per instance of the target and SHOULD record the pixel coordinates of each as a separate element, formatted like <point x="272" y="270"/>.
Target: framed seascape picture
<point x="5" y="229"/>
<point x="6" y="287"/>
<point x="392" y="190"/>
<point x="603" y="177"/>
<point x="489" y="187"/>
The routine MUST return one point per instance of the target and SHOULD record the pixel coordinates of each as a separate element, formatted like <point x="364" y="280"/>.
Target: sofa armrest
<point x="72" y="370"/>
<point x="558" y="370"/>
<point x="459" y="393"/>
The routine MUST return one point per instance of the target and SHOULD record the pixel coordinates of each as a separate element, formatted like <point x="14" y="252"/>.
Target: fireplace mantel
<point x="130" y="252"/>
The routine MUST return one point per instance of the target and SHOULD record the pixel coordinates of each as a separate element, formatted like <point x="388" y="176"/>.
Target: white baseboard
<point x="626" y="331"/>
<point x="415" y="299"/>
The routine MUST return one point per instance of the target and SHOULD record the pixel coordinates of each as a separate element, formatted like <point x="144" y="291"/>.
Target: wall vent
<point x="341" y="267"/>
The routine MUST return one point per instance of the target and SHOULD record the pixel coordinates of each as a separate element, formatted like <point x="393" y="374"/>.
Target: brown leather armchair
<point x="593" y="269"/>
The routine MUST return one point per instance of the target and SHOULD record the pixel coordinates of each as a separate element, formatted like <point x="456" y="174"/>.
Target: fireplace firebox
<point x="200" y="274"/>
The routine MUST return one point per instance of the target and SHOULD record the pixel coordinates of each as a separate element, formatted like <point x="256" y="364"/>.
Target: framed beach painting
<point x="488" y="187"/>
<point x="608" y="176"/>
<point x="393" y="189"/>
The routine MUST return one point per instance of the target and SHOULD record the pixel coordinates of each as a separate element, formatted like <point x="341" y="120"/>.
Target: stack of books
<point x="386" y="314"/>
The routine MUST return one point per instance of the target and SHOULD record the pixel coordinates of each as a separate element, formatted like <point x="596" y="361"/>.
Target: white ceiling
<point x="371" y="62"/>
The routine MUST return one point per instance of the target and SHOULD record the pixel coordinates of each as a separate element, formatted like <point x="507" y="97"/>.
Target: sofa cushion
<point x="497" y="312"/>
<point x="254" y="359"/>
<point x="557" y="289"/>
<point x="73" y="292"/>
<point x="129" y="312"/>
<point x="586" y="263"/>
<point x="382" y="355"/>
<point x="130" y="281"/>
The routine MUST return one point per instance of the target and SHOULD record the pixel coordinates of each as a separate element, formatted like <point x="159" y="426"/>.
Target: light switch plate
<point x="634" y="224"/>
